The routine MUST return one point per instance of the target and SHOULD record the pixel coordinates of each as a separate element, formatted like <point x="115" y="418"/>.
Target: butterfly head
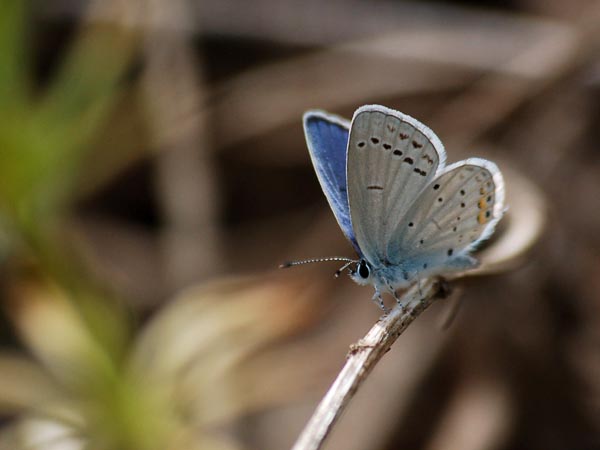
<point x="362" y="273"/>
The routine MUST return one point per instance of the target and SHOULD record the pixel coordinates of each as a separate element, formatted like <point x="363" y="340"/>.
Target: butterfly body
<point x="388" y="277"/>
<point x="406" y="213"/>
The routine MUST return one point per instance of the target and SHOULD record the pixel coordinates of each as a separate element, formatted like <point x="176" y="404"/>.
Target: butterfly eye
<point x="363" y="270"/>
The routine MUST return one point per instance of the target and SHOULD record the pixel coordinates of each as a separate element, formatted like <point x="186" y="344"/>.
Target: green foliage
<point x="44" y="137"/>
<point x="45" y="133"/>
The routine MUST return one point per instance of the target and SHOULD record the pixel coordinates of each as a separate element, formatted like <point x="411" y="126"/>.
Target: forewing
<point x="391" y="158"/>
<point x="457" y="211"/>
<point x="327" y="140"/>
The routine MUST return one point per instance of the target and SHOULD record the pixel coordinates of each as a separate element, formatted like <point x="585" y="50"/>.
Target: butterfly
<point x="407" y="215"/>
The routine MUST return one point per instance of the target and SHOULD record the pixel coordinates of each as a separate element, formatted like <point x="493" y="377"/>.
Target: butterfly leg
<point x="420" y="291"/>
<point x="395" y="294"/>
<point x="379" y="301"/>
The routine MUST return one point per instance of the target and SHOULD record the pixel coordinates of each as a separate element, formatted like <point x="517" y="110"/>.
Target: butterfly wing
<point x="327" y="140"/>
<point x="391" y="159"/>
<point x="452" y="215"/>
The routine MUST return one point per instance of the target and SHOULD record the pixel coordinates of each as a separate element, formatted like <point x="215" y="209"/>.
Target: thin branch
<point x="361" y="360"/>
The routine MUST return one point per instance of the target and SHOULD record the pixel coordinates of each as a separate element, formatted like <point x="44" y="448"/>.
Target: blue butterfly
<point x="407" y="215"/>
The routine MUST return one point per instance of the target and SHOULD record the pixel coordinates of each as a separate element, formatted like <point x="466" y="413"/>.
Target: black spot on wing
<point x="428" y="159"/>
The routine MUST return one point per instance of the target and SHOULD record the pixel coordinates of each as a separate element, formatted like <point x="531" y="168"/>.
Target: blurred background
<point x="153" y="174"/>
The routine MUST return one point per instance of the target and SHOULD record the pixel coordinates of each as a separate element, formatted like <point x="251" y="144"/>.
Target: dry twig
<point x="361" y="360"/>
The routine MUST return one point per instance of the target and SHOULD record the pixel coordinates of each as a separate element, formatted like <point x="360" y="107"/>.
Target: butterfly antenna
<point x="287" y="264"/>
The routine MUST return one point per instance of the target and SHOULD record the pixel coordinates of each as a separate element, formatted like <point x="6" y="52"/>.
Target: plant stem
<point x="361" y="360"/>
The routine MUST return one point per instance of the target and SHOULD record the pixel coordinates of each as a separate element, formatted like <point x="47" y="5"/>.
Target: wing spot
<point x="421" y="241"/>
<point x="403" y="136"/>
<point x="408" y="160"/>
<point x="361" y="144"/>
<point x="420" y="172"/>
<point x="450" y="251"/>
<point x="410" y="224"/>
<point x="397" y="152"/>
<point x="489" y="198"/>
<point x="436" y="187"/>
<point x="387" y="146"/>
<point x="454" y="229"/>
<point x="342" y="189"/>
<point x="462" y="205"/>
<point x="482" y="191"/>
<point x="440" y="199"/>
<point x="391" y="128"/>
<point x="428" y="158"/>
<point x="488" y="214"/>
<point x="415" y="144"/>
<point x="425" y="266"/>
<point x="375" y="188"/>
<point x="375" y="140"/>
<point x="458" y="218"/>
<point x="462" y="192"/>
